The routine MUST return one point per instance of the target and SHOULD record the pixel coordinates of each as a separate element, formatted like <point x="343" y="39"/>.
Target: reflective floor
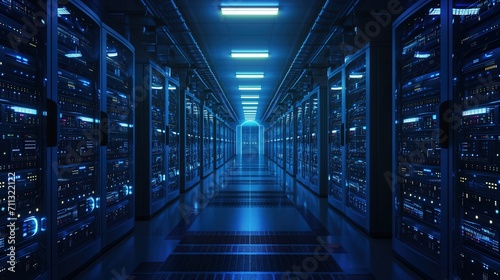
<point x="248" y="220"/>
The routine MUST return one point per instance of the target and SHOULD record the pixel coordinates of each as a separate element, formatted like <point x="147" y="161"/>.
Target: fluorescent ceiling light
<point x="240" y="75"/>
<point x="355" y="76"/>
<point x="249" y="11"/>
<point x="250" y="96"/>
<point x="112" y="54"/>
<point x="336" y="88"/>
<point x="249" y="87"/>
<point x="250" y="102"/>
<point x="250" y="111"/>
<point x="252" y="54"/>
<point x="172" y="87"/>
<point x="153" y="86"/>
<point x="250" y="107"/>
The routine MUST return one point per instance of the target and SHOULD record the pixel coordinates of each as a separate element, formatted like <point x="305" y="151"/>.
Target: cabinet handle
<point x="104" y="129"/>
<point x="52" y="123"/>
<point x="444" y="125"/>
<point x="342" y="134"/>
<point x="167" y="135"/>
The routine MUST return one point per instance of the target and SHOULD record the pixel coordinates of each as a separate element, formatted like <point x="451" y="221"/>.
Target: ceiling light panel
<point x="250" y="97"/>
<point x="250" y="102"/>
<point x="249" y="87"/>
<point x="249" y="11"/>
<point x="249" y="54"/>
<point x="249" y="75"/>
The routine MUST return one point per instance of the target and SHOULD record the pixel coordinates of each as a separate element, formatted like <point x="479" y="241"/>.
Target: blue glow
<point x="476" y="112"/>
<point x="85" y="119"/>
<point x="24" y="110"/>
<point x="34" y="231"/>
<point x="421" y="55"/>
<point x="91" y="202"/>
<point x="411" y="120"/>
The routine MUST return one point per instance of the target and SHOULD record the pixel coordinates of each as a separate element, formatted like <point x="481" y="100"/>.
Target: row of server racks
<point x="336" y="140"/>
<point x="428" y="173"/>
<point x="77" y="112"/>
<point x="293" y="140"/>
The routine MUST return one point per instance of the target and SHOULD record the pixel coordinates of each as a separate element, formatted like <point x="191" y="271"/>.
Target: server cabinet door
<point x="118" y="132"/>
<point x="417" y="224"/>
<point x="174" y="144"/>
<point x="336" y="134"/>
<point x="24" y="194"/>
<point x="77" y="235"/>
<point x="476" y="110"/>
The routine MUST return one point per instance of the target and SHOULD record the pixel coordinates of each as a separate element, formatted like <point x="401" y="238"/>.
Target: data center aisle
<point x="249" y="220"/>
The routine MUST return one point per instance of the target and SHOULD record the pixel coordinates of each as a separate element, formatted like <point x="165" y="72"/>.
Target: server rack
<point x="219" y="128"/>
<point x="280" y="128"/>
<point x="299" y="139"/>
<point x="475" y="148"/>
<point x="151" y="137"/>
<point x="419" y="175"/>
<point x="290" y="141"/>
<point x="268" y="139"/>
<point x="173" y="139"/>
<point x="231" y="147"/>
<point x="336" y="144"/>
<point x="309" y="141"/>
<point x="192" y="140"/>
<point x="208" y="141"/>
<point x="23" y="157"/>
<point x="368" y="138"/>
<point x="76" y="231"/>
<point x="117" y="167"/>
<point x="225" y="130"/>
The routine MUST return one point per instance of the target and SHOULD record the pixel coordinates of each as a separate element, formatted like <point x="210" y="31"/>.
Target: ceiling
<point x="281" y="35"/>
<point x="193" y="38"/>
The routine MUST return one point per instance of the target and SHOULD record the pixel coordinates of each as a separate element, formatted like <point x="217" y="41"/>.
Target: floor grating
<point x="244" y="262"/>
<point x="250" y="276"/>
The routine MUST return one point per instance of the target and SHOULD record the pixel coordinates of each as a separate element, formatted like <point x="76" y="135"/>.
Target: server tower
<point x="290" y="141"/>
<point x="24" y="197"/>
<point x="421" y="225"/>
<point x="309" y="141"/>
<point x="174" y="168"/>
<point x="208" y="141"/>
<point x="336" y="138"/>
<point x="219" y="136"/>
<point x="117" y="120"/>
<point x="151" y="137"/>
<point x="475" y="125"/>
<point x="76" y="177"/>
<point x="368" y="138"/>
<point x="192" y="141"/>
